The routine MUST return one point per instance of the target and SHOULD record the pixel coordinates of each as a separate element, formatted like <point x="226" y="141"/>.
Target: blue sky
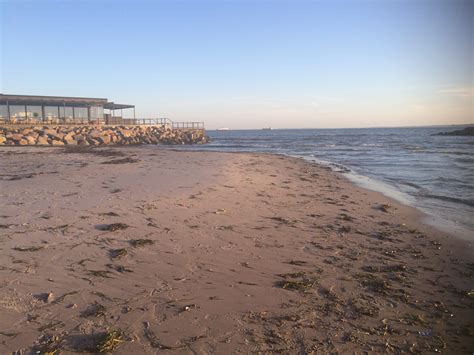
<point x="250" y="64"/>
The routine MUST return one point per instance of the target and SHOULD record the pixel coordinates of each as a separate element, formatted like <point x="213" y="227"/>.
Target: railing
<point x="187" y="125"/>
<point x="108" y="121"/>
<point x="154" y="121"/>
<point x="40" y="122"/>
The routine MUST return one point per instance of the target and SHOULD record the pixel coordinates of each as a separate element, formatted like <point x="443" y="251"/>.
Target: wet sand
<point x="146" y="250"/>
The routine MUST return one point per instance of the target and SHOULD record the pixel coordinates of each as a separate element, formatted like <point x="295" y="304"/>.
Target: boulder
<point x="31" y="140"/>
<point x="17" y="137"/>
<point x="127" y="133"/>
<point x="2" y="140"/>
<point x="42" y="140"/>
<point x="56" y="142"/>
<point x="104" y="139"/>
<point x="70" y="142"/>
<point x="94" y="134"/>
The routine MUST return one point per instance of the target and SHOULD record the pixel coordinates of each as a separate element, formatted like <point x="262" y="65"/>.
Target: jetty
<point x="61" y="120"/>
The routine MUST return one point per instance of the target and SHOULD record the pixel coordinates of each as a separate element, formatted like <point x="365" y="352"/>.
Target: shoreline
<point x="181" y="250"/>
<point x="441" y="223"/>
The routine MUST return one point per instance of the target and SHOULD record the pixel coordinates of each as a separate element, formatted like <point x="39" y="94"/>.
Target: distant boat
<point x="223" y="129"/>
<point x="267" y="128"/>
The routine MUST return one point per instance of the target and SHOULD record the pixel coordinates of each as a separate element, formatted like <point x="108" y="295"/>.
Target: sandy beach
<point x="144" y="250"/>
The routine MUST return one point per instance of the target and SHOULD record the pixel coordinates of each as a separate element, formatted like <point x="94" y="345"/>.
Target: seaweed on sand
<point x="141" y="242"/>
<point x="32" y="248"/>
<point x="99" y="273"/>
<point x="109" y="214"/>
<point x="117" y="253"/>
<point x="113" y="227"/>
<point x="48" y="345"/>
<point x="94" y="310"/>
<point x="94" y="150"/>
<point x="62" y="297"/>
<point x="119" y="268"/>
<point x="281" y="220"/>
<point x="297" y="281"/>
<point x="109" y="341"/>
<point x="373" y="283"/>
<point x="122" y="161"/>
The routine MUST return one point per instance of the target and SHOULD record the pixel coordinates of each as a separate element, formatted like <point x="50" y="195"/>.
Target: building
<point x="29" y="109"/>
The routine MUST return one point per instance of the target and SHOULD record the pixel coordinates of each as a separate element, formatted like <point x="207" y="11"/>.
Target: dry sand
<point x="218" y="253"/>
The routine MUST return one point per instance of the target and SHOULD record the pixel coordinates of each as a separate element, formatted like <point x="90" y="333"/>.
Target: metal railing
<point x="188" y="125"/>
<point x="154" y="121"/>
<point x="109" y="121"/>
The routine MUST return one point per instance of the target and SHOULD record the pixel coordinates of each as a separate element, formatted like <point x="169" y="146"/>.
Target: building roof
<point x="114" y="106"/>
<point x="51" y="100"/>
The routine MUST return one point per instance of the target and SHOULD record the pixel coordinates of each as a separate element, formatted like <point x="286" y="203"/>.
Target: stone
<point x="104" y="139"/>
<point x="42" y="140"/>
<point x="49" y="297"/>
<point x="17" y="137"/>
<point x="100" y="135"/>
<point x="94" y="134"/>
<point x="127" y="133"/>
<point x="56" y="142"/>
<point x="70" y="142"/>
<point x="30" y="140"/>
<point x="69" y="136"/>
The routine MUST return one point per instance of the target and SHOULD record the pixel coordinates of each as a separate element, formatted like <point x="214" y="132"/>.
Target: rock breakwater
<point x="99" y="135"/>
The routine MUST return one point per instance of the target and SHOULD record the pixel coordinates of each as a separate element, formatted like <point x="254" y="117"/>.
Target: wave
<point x="449" y="199"/>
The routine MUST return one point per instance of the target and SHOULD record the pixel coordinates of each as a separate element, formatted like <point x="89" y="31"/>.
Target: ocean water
<point x="432" y="173"/>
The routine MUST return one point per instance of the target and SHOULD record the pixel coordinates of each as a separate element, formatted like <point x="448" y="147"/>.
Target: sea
<point x="412" y="165"/>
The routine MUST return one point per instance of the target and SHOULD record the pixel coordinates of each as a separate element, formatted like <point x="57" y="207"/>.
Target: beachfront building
<point x="29" y="109"/>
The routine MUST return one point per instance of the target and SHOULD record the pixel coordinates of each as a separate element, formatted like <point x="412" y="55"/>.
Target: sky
<point x="250" y="64"/>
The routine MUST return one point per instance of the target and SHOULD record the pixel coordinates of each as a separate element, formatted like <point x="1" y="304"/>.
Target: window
<point x="34" y="113"/>
<point x="3" y="113"/>
<point x="80" y="114"/>
<point x="97" y="112"/>
<point x="66" y="114"/>
<point x="17" y="113"/>
<point x="51" y="114"/>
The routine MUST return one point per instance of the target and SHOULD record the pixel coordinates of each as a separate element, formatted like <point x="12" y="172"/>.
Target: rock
<point x="50" y="297"/>
<point x="17" y="137"/>
<point x="104" y="139"/>
<point x="468" y="131"/>
<point x="94" y="134"/>
<point x="30" y="140"/>
<point x="70" y="142"/>
<point x="127" y="133"/>
<point x="42" y="140"/>
<point x="100" y="135"/>
<point x="56" y="142"/>
<point x="93" y="141"/>
<point x="69" y="139"/>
